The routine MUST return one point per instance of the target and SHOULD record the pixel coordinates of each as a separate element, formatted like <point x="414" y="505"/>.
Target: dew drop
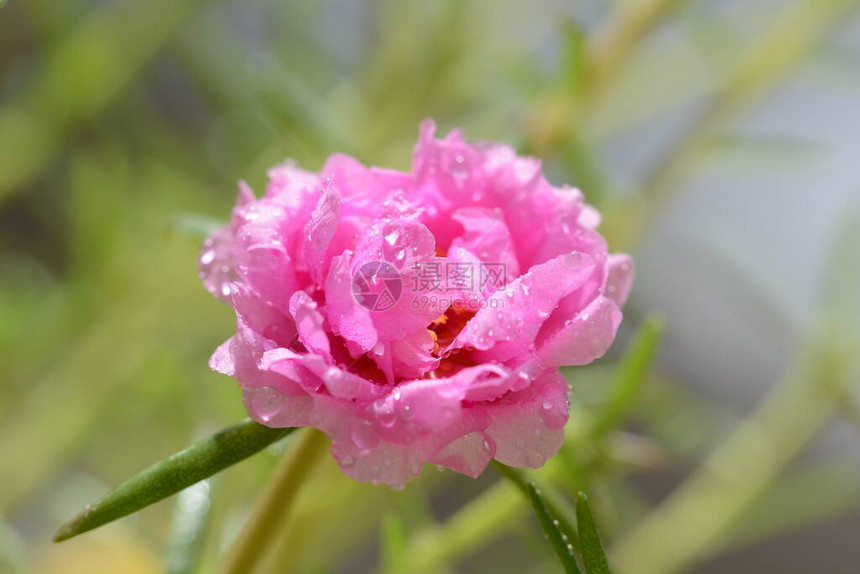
<point x="266" y="402"/>
<point x="535" y="460"/>
<point x="391" y="236"/>
<point x="364" y="436"/>
<point x="347" y="461"/>
<point x="386" y="418"/>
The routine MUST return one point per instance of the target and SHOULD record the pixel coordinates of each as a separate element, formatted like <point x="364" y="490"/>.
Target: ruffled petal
<point x="310" y="324"/>
<point x="346" y="316"/>
<point x="584" y="337"/>
<point x="319" y="232"/>
<point x="508" y="324"/>
<point x="487" y="237"/>
<point x="528" y="426"/>
<point x="620" y="279"/>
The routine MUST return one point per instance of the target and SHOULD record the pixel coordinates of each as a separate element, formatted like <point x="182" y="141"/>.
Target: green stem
<point x="274" y="504"/>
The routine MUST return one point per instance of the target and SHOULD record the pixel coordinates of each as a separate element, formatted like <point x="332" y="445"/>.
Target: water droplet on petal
<point x="266" y="402"/>
<point x="534" y="460"/>
<point x="364" y="436"/>
<point x="347" y="461"/>
<point x="391" y="236"/>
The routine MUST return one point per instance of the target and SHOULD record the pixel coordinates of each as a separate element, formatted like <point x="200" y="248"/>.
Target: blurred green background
<point x="720" y="138"/>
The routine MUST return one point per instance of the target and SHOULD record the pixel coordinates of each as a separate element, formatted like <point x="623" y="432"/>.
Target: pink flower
<point x="416" y="317"/>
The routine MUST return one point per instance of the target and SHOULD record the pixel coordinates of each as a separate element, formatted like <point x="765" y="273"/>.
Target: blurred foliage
<point x="120" y="118"/>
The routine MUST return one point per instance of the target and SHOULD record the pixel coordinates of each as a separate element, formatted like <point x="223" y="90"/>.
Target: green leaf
<point x="169" y="476"/>
<point x="559" y="541"/>
<point x="629" y="377"/>
<point x="558" y="506"/>
<point x="593" y="555"/>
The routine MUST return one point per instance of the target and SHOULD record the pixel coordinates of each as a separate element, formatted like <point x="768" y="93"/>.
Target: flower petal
<point x="310" y="324"/>
<point x="620" y="278"/>
<point x="528" y="426"/>
<point x="319" y="231"/>
<point x="508" y="324"/>
<point x="585" y="337"/>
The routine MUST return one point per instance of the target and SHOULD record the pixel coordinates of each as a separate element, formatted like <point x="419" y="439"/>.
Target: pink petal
<point x="347" y="317"/>
<point x="436" y="403"/>
<point x="319" y="232"/>
<point x="486" y="235"/>
<point x="310" y="324"/>
<point x="528" y="426"/>
<point x="585" y="337"/>
<point x="620" y="278"/>
<point x="217" y="264"/>
<point x="512" y="318"/>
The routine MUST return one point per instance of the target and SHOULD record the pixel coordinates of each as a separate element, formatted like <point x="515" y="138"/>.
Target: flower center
<point x="448" y="325"/>
<point x="445" y="329"/>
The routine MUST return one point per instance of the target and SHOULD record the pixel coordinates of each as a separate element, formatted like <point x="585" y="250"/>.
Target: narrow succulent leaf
<point x="593" y="556"/>
<point x="558" y="540"/>
<point x="169" y="476"/>
<point x="629" y="377"/>
<point x="558" y="506"/>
